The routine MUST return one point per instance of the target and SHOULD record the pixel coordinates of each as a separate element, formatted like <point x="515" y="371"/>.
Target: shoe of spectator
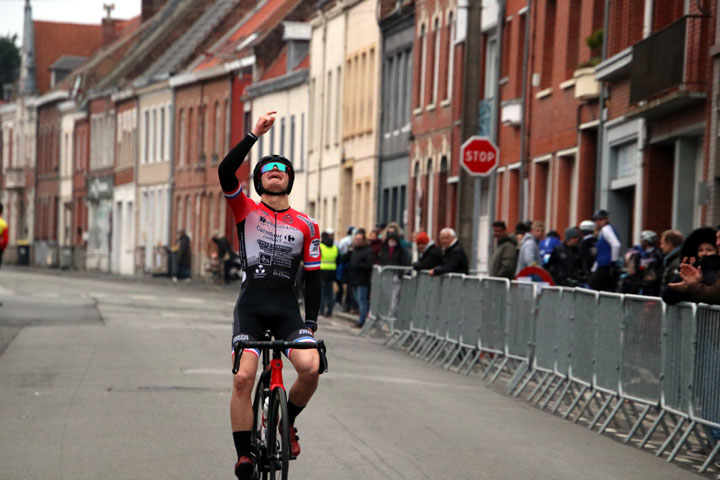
<point x="244" y="468"/>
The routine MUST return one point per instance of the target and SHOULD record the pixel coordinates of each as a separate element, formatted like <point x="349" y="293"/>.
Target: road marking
<point x="46" y="294"/>
<point x="6" y="291"/>
<point x="145" y="298"/>
<point x="191" y="300"/>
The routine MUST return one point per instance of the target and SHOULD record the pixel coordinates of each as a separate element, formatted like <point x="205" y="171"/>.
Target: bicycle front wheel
<point x="278" y="445"/>
<point x="256" y="437"/>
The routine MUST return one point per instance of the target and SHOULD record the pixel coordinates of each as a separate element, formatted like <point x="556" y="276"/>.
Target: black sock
<point x="242" y="443"/>
<point x="293" y="412"/>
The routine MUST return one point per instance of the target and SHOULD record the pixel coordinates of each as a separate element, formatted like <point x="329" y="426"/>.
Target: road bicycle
<point x="270" y="437"/>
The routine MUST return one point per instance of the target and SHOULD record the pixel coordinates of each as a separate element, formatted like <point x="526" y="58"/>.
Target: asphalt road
<point x="117" y="379"/>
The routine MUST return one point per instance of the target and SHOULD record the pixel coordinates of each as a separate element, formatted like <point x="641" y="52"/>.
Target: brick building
<point x="437" y="69"/>
<point x="656" y="171"/>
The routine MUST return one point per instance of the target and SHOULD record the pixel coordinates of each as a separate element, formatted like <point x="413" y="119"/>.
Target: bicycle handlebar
<point x="319" y="345"/>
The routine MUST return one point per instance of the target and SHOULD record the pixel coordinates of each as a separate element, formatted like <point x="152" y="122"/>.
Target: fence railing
<point x="644" y="367"/>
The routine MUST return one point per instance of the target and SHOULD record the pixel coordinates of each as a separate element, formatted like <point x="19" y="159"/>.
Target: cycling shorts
<point x="274" y="309"/>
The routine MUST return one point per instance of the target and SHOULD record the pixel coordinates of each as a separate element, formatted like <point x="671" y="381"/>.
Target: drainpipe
<point x="601" y="104"/>
<point x="522" y="199"/>
<point x="171" y="179"/>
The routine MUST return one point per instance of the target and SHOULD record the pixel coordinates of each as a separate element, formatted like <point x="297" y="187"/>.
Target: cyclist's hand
<point x="264" y="123"/>
<point x="311" y="325"/>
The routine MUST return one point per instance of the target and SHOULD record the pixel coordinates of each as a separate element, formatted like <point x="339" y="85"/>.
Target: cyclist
<point x="274" y="238"/>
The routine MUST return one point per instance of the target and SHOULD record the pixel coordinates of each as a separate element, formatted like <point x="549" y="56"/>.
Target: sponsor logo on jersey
<point x="262" y="219"/>
<point x="304" y="331"/>
<point x="290" y="238"/>
<point x="315" y="247"/>
<point x="259" y="271"/>
<point x="265" y="259"/>
<point x="309" y="222"/>
<point x="243" y="337"/>
<point x="287" y="218"/>
<point x="281" y="274"/>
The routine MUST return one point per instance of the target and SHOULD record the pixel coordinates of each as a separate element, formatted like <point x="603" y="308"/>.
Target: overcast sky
<point x="73" y="11"/>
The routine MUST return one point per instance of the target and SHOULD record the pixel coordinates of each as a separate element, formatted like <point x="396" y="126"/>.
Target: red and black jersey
<point x="272" y="243"/>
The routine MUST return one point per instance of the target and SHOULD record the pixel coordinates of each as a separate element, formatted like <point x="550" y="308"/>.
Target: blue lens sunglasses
<point x="269" y="166"/>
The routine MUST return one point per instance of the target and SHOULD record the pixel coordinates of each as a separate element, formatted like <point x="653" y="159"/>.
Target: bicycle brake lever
<point x="236" y="362"/>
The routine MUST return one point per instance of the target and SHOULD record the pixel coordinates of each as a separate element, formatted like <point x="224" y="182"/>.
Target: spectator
<point x="375" y="245"/>
<point x="547" y="245"/>
<point x="184" y="256"/>
<point x="344" y="246"/>
<point x="360" y="271"/>
<point x="393" y="227"/>
<point x="504" y="258"/>
<point x="346" y="242"/>
<point x="454" y="258"/>
<point x="643" y="267"/>
<point x="588" y="249"/>
<point x="3" y="234"/>
<point x="225" y="254"/>
<point x="565" y="264"/>
<point x="430" y="256"/>
<point x="606" y="270"/>
<point x="701" y="251"/>
<point x="329" y="256"/>
<point x="671" y="244"/>
<point x="392" y="253"/>
<point x="529" y="249"/>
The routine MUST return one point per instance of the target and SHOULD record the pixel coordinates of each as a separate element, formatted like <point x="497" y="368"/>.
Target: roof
<point x="54" y="39"/>
<point x="68" y="62"/>
<point x="279" y="66"/>
<point x="262" y="19"/>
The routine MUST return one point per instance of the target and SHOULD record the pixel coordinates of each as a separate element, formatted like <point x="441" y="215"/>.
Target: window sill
<point x="504" y="80"/>
<point x="543" y="93"/>
<point x="418" y="111"/>
<point x="445" y="103"/>
<point x="430" y="107"/>
<point x="567" y="84"/>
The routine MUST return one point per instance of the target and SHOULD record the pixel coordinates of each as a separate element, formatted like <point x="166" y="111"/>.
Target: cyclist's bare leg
<point x="306" y="363"/>
<point x="241" y="414"/>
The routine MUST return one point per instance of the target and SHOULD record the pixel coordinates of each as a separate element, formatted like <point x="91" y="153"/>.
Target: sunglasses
<point x="269" y="166"/>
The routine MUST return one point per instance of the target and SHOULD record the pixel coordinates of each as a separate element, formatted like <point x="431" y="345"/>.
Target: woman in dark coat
<point x="700" y="249"/>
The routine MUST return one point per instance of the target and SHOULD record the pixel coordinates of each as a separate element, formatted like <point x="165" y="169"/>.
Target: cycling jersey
<point x="272" y="242"/>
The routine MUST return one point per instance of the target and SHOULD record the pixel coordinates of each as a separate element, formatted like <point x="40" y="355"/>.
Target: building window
<point x="292" y="138"/>
<point x="155" y="135"/>
<point x="338" y="103"/>
<point x="302" y="141"/>
<point x="282" y="136"/>
<point x="573" y="39"/>
<point x="548" y="44"/>
<point x="216" y="129"/>
<point x="201" y="130"/>
<point x="162" y="134"/>
<point x="146" y="128"/>
<point x="436" y="61"/>
<point x="450" y="56"/>
<point x="423" y="66"/>
<point x="188" y="140"/>
<point x="328" y="109"/>
<point x="370" y="96"/>
<point x="271" y="147"/>
<point x="520" y="55"/>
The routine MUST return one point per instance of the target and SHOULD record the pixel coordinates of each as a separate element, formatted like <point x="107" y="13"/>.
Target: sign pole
<point x="475" y="258"/>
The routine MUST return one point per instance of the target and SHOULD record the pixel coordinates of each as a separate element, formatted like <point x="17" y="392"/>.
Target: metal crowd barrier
<point x="630" y="361"/>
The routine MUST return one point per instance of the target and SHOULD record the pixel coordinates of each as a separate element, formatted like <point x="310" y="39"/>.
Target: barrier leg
<point x="473" y="360"/>
<point x="552" y="394"/>
<point x="652" y="429"/>
<point x="562" y="396"/>
<point x="491" y="364"/>
<point x="369" y="322"/>
<point x="669" y="440"/>
<point x="600" y="412"/>
<point x="517" y="377"/>
<point x="419" y="336"/>
<point x="682" y="441"/>
<point x="710" y="458"/>
<point x="499" y="369"/>
<point x="454" y="356"/>
<point x="432" y="343"/>
<point x="637" y="424"/>
<point x="450" y="349"/>
<point x="393" y="337"/>
<point x="617" y="408"/>
<point x="586" y="407"/>
<point x="468" y="355"/>
<point x="539" y="386"/>
<point x="440" y="348"/>
<point x="575" y="402"/>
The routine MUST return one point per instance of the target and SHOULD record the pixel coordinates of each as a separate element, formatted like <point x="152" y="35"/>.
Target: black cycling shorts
<point x="260" y="309"/>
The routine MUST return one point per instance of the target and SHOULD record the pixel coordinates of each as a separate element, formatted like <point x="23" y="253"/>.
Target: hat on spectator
<point x="695" y="239"/>
<point x="587" y="226"/>
<point x="422" y="237"/>
<point x="601" y="214"/>
<point x="571" y="232"/>
<point x="648" y="236"/>
<point x="330" y="231"/>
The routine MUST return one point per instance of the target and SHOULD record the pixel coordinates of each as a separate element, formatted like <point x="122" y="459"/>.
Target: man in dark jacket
<point x="504" y="259"/>
<point x="430" y="256"/>
<point x="454" y="257"/>
<point x="565" y="264"/>
<point x="183" y="256"/>
<point x="392" y="252"/>
<point x="671" y="244"/>
<point x="359" y="273"/>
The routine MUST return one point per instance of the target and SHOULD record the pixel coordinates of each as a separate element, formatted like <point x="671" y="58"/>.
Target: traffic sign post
<point x="480" y="158"/>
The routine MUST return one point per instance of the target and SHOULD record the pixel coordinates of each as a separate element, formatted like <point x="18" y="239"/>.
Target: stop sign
<point x="480" y="156"/>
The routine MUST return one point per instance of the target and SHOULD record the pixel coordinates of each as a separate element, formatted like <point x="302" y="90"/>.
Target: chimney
<point x="109" y="31"/>
<point x="28" y="81"/>
<point x="150" y="8"/>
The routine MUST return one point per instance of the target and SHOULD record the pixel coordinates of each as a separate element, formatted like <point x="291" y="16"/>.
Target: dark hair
<point x="500" y="224"/>
<point x="360" y="231"/>
<point x="522" y="227"/>
<point x="673" y="237"/>
<point x="553" y="233"/>
<point x="1" y="208"/>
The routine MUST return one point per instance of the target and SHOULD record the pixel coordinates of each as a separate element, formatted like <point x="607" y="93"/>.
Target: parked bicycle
<point x="270" y="438"/>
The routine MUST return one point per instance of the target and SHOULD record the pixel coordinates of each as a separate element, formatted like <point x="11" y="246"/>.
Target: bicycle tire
<point x="257" y="446"/>
<point x="278" y="449"/>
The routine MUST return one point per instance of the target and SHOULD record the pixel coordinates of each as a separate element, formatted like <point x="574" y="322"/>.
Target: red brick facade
<point x="81" y="165"/>
<point x="48" y="161"/>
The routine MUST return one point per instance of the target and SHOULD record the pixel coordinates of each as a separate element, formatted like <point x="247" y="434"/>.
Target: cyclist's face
<point x="275" y="180"/>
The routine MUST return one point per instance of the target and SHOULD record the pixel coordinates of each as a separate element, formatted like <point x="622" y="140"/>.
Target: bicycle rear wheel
<point x="278" y="446"/>
<point x="256" y="440"/>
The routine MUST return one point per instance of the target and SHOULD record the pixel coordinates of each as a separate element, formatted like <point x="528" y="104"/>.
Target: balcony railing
<point x="672" y="59"/>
